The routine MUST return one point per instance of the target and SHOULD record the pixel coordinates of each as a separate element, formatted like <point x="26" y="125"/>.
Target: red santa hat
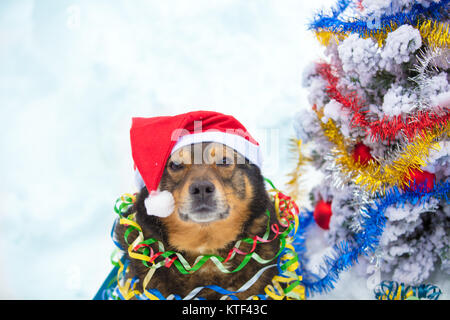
<point x="153" y="140"/>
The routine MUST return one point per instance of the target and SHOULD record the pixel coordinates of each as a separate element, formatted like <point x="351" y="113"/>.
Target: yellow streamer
<point x="374" y="176"/>
<point x="150" y="296"/>
<point x="132" y="196"/>
<point x="148" y="277"/>
<point x="127" y="292"/>
<point x="276" y="292"/>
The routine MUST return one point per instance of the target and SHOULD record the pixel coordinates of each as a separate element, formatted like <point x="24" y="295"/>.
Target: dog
<point x="218" y="201"/>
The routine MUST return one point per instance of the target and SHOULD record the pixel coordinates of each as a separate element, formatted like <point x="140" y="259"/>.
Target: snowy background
<point x="73" y="73"/>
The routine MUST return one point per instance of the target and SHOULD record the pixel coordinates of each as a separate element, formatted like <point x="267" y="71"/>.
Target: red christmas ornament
<point x="322" y="214"/>
<point x="420" y="180"/>
<point x="361" y="154"/>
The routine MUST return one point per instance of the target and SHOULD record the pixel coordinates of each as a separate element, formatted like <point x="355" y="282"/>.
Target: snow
<point x="332" y="110"/>
<point x="399" y="46"/>
<point x="438" y="89"/>
<point x="360" y="57"/>
<point x="396" y="102"/>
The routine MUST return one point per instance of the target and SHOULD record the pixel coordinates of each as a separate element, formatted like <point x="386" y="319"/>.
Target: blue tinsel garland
<point x="361" y="26"/>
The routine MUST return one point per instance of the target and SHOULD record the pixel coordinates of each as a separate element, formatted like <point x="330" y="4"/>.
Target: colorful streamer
<point x="128" y="291"/>
<point x="290" y="277"/>
<point x="391" y="290"/>
<point x="140" y="249"/>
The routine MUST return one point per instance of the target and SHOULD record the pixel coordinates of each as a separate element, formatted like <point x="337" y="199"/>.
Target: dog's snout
<point x="202" y="189"/>
<point x="203" y="200"/>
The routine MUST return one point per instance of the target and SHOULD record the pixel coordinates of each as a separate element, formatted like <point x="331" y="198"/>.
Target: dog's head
<point x="217" y="194"/>
<point x="208" y="190"/>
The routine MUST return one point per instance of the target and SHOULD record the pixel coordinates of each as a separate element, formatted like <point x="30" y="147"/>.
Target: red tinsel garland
<point x="385" y="128"/>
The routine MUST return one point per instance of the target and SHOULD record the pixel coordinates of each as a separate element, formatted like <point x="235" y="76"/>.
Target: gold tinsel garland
<point x="376" y="177"/>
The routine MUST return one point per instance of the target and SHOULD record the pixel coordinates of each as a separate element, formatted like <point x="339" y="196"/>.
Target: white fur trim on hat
<point x="249" y="150"/>
<point x="160" y="204"/>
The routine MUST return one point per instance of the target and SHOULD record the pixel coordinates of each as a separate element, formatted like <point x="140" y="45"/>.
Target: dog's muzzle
<point x="204" y="204"/>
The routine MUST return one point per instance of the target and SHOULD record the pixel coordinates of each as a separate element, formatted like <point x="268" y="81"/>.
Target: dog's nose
<point x="202" y="190"/>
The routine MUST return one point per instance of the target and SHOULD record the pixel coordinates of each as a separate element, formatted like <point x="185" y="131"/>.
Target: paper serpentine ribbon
<point x="391" y="290"/>
<point x="286" y="285"/>
<point x="129" y="291"/>
<point x="139" y="249"/>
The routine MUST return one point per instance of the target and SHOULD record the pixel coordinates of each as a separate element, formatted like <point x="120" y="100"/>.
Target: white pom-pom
<point x="160" y="204"/>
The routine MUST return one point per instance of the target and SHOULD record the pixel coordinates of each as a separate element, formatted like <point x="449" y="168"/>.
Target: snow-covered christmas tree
<point x="379" y="131"/>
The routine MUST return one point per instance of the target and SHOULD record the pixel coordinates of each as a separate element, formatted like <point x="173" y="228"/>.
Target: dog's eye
<point x="175" y="166"/>
<point x="224" y="162"/>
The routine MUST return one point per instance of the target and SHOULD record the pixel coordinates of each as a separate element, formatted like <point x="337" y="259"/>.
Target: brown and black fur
<point x="243" y="188"/>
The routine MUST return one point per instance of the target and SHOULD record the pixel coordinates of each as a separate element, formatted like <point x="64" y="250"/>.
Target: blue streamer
<point x="437" y="11"/>
<point x="346" y="253"/>
<point x="427" y="291"/>
<point x="386" y="289"/>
